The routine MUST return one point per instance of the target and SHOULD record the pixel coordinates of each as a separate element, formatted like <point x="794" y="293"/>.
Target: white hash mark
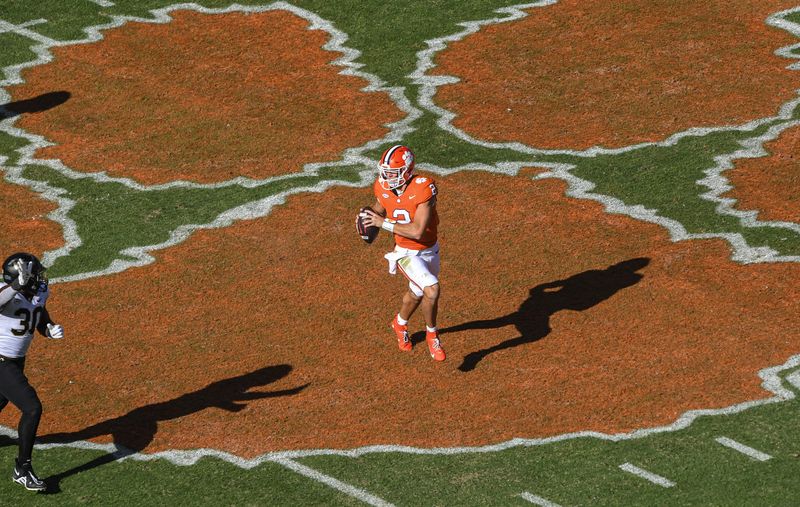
<point x="537" y="500"/>
<point x="353" y="491"/>
<point x="649" y="476"/>
<point x="746" y="450"/>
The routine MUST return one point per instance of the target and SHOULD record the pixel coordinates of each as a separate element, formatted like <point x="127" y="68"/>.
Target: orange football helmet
<point x="396" y="167"/>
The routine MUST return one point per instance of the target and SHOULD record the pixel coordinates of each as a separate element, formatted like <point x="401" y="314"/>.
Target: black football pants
<point x="14" y="387"/>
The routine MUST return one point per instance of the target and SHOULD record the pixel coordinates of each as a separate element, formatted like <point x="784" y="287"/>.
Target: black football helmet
<point x="37" y="279"/>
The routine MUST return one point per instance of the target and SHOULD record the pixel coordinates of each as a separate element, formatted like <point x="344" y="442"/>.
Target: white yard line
<point x="334" y="483"/>
<point x="744" y="449"/>
<point x="648" y="476"/>
<point x="537" y="500"/>
<point x="103" y="3"/>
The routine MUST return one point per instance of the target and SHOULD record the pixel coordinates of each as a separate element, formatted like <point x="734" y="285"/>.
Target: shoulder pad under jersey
<point x="425" y="187"/>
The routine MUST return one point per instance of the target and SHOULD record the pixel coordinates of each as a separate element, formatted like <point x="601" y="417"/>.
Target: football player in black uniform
<point x="23" y="295"/>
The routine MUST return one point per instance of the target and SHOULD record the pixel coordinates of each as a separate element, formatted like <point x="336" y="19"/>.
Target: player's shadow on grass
<point x="36" y="104"/>
<point x="532" y="319"/>
<point x="134" y="431"/>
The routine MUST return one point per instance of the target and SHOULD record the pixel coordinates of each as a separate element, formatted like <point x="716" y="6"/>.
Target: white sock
<point x="401" y="320"/>
<point x="431" y="329"/>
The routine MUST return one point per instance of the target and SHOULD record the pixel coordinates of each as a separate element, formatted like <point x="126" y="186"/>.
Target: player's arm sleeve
<point x="44" y="320"/>
<point x="7" y="293"/>
<point x="422" y="217"/>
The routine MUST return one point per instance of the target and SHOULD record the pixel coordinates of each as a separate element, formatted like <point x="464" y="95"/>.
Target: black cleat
<point x="23" y="474"/>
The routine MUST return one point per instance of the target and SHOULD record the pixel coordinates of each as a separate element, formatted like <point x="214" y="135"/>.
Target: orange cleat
<point x="403" y="341"/>
<point x="435" y="346"/>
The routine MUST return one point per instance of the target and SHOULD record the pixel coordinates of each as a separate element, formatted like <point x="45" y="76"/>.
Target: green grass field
<point x="576" y="470"/>
<point x="671" y="182"/>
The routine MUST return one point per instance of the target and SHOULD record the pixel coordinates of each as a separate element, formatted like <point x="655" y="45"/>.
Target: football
<point x="368" y="234"/>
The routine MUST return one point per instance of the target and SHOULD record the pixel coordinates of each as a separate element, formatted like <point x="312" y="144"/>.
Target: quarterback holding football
<point x="405" y="206"/>
<point x="23" y="295"/>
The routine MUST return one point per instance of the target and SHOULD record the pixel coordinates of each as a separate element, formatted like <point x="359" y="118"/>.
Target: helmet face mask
<point x="392" y="178"/>
<point x="396" y="167"/>
<point x="37" y="280"/>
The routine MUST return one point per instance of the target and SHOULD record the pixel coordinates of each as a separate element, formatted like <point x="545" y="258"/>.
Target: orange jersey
<point x="402" y="209"/>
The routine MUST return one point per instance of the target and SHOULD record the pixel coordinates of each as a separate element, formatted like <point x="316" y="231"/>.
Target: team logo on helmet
<point x="396" y="167"/>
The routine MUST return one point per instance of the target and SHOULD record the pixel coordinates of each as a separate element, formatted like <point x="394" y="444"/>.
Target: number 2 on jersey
<point x="401" y="216"/>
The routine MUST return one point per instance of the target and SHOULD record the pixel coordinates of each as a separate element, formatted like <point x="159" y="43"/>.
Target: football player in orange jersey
<point x="406" y="207"/>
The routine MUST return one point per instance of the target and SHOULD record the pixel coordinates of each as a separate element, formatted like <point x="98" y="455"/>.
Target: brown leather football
<point x="368" y="234"/>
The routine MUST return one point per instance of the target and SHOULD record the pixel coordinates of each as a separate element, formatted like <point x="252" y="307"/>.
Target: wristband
<point x="387" y="226"/>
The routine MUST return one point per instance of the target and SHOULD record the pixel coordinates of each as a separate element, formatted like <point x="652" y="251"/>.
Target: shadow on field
<point x="134" y="431"/>
<point x="532" y="319"/>
<point x="37" y="104"/>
